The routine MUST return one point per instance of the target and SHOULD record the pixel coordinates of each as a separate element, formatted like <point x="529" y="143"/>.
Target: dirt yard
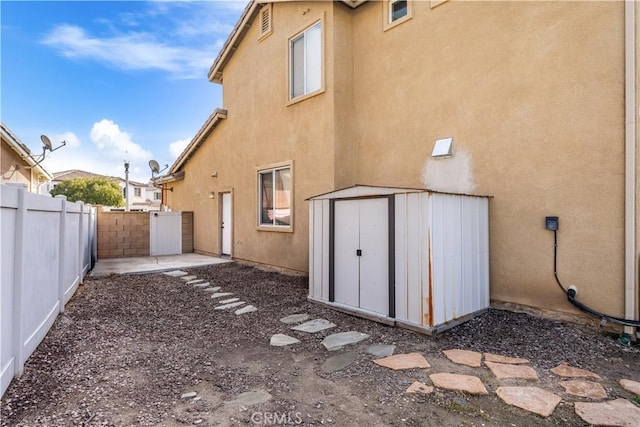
<point x="129" y="346"/>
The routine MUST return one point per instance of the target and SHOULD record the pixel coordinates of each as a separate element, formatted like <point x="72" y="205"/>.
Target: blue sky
<point x="115" y="80"/>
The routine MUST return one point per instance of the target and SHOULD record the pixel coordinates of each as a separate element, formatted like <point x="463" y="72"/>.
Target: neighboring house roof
<point x="77" y="173"/>
<point x="23" y="151"/>
<point x="237" y="34"/>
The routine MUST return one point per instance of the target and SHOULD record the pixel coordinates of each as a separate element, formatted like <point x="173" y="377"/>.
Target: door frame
<point x="391" y="242"/>
<point x="220" y="221"/>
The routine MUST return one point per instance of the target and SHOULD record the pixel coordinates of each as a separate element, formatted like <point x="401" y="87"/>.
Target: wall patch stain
<point x="451" y="175"/>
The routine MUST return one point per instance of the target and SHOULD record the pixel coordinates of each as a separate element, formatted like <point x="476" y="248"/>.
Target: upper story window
<point x="275" y="197"/>
<point x="305" y="62"/>
<point x="396" y="12"/>
<point x="137" y="192"/>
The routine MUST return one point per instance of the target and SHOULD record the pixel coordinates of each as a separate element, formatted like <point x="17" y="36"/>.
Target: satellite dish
<point x="46" y="142"/>
<point x="155" y="167"/>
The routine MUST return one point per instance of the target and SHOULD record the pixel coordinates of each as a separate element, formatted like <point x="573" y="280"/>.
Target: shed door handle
<point x="358" y="252"/>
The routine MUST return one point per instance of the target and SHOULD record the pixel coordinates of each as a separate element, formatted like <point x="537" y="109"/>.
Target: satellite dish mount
<point x="155" y="168"/>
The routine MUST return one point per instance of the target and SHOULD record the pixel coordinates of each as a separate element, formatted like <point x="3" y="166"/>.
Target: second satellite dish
<point x="155" y="167"/>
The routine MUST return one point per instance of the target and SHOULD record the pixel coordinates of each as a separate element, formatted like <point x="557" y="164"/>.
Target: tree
<point x="95" y="191"/>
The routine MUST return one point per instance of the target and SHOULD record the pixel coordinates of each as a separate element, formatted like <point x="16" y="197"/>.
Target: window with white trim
<point x="137" y="192"/>
<point x="305" y="62"/>
<point x="396" y="12"/>
<point x="275" y="197"/>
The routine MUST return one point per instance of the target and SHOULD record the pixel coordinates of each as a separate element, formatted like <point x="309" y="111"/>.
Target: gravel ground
<point x="128" y="346"/>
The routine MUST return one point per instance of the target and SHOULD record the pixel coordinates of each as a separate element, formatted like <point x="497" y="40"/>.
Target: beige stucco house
<point x="539" y="98"/>
<point x="18" y="164"/>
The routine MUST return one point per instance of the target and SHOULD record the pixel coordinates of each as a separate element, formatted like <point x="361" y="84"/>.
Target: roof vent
<point x="265" y="22"/>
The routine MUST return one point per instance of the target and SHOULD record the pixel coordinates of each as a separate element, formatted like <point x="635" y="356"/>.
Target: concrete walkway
<point x="151" y="264"/>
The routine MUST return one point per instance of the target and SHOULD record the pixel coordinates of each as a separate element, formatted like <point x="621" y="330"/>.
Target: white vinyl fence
<point x="48" y="246"/>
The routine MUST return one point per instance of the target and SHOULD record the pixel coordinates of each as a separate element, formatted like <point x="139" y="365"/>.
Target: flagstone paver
<point x="381" y="350"/>
<point x="566" y="371"/>
<point x="246" y="309"/>
<point x="582" y="388"/>
<point x="313" y="326"/>
<point x="175" y="273"/>
<point x="418" y="387"/>
<point x="503" y="370"/>
<point x="532" y="399"/>
<point x="295" y="318"/>
<point x="619" y="412"/>
<point x="212" y="289"/>
<point x="188" y="395"/>
<point x="339" y="362"/>
<point x="231" y="305"/>
<point x="630" y="386"/>
<point x="188" y="278"/>
<point x="403" y="361"/>
<point x="457" y="382"/>
<point x="464" y="357"/>
<point x="221" y="294"/>
<point x="251" y="398"/>
<point x="202" y="285"/>
<point x="490" y="357"/>
<point x="227" y="301"/>
<point x="279" y="340"/>
<point x="194" y="281"/>
<point x="337" y="341"/>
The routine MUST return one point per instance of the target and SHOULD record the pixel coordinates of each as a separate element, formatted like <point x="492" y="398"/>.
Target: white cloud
<point x="131" y="51"/>
<point x="177" y="147"/>
<point x="70" y="138"/>
<point x="115" y="144"/>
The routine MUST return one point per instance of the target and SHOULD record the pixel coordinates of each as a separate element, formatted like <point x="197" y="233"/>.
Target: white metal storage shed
<point x="413" y="257"/>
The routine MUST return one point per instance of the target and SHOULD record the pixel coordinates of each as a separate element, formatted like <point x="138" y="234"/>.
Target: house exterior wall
<point x="531" y="92"/>
<point x="9" y="159"/>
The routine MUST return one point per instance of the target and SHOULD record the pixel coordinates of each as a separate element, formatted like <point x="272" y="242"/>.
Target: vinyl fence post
<point x="80" y="253"/>
<point x="18" y="283"/>
<point x="61" y="250"/>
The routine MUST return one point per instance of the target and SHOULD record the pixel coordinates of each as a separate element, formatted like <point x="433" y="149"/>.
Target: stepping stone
<point x="532" y="399"/>
<point x="193" y="282"/>
<point x="246" y="309"/>
<point x="489" y="357"/>
<point x="204" y="285"/>
<point x="313" y="326"/>
<point x="231" y="305"/>
<point x="381" y="350"/>
<point x="337" y="341"/>
<point x="619" y="412"/>
<point x="175" y="273"/>
<point x="457" y="382"/>
<point x="212" y="289"/>
<point x="418" y="387"/>
<point x="339" y="362"/>
<point x="221" y="294"/>
<point x="188" y="395"/>
<point x="227" y="301"/>
<point x="251" y="398"/>
<point x="502" y="371"/>
<point x="631" y="386"/>
<point x="582" y="388"/>
<point x="464" y="357"/>
<point x="564" y="370"/>
<point x="279" y="340"/>
<point x="295" y="318"/>
<point x="188" y="278"/>
<point x="403" y="361"/>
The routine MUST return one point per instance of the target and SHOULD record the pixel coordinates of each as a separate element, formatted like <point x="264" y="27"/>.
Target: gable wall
<point x="533" y="94"/>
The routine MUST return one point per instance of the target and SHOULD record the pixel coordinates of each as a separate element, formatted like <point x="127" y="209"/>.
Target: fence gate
<point x="165" y="233"/>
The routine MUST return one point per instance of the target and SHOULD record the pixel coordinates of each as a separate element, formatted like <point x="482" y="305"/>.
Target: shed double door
<point x="361" y="254"/>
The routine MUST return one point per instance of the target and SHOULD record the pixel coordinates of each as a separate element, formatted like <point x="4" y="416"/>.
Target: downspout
<point x="630" y="258"/>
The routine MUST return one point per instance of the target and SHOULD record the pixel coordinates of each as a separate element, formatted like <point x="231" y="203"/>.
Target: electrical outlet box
<point x="551" y="223"/>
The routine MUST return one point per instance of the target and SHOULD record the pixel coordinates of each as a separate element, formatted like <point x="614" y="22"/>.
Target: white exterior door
<point x="361" y="254"/>
<point x="165" y="233"/>
<point x="226" y="224"/>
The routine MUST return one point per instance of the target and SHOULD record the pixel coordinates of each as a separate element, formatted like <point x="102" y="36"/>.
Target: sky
<point x="116" y="80"/>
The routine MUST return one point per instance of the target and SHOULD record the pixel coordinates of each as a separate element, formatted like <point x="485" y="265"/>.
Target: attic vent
<point x="265" y="21"/>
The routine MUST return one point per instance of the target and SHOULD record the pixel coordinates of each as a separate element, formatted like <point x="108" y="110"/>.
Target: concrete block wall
<point x="187" y="232"/>
<point x="123" y="234"/>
